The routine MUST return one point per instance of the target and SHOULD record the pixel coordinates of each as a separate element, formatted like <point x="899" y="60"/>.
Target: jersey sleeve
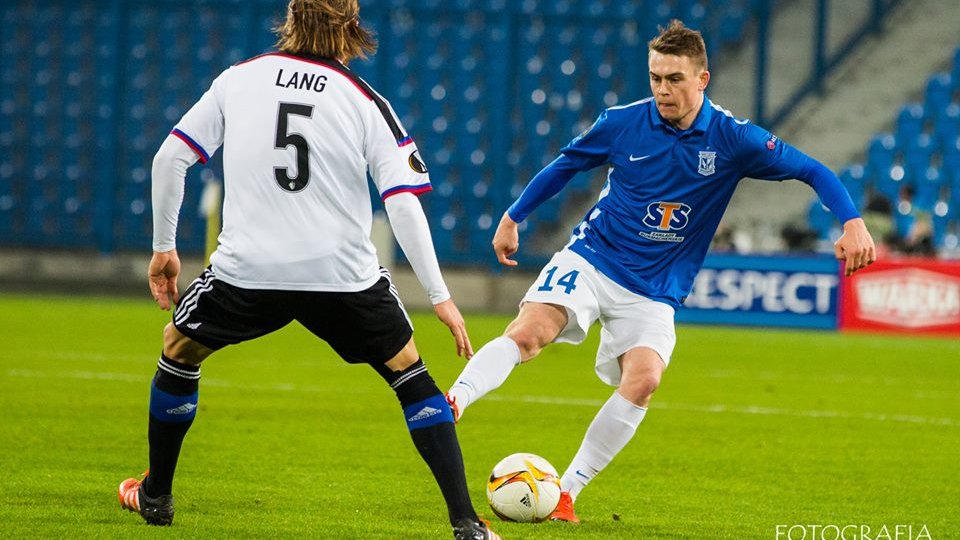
<point x="547" y="183"/>
<point x="592" y="147"/>
<point x="766" y="157"/>
<point x="202" y="127"/>
<point x="392" y="156"/>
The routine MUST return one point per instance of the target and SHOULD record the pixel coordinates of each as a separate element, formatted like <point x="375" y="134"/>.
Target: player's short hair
<point x="679" y="40"/>
<point x="328" y="28"/>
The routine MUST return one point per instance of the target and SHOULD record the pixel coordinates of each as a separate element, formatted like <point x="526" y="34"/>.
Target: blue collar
<point x="699" y="125"/>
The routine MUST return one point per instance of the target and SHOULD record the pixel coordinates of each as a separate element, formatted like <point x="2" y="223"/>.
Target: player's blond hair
<point x="328" y="28"/>
<point x="679" y="40"/>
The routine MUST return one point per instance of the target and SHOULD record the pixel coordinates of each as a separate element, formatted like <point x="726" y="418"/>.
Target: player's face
<point x="677" y="84"/>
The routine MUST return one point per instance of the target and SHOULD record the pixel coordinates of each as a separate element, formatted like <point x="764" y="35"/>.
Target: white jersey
<point x="299" y="135"/>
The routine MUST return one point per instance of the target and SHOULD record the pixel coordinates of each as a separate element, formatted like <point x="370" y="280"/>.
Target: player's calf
<point x="430" y="422"/>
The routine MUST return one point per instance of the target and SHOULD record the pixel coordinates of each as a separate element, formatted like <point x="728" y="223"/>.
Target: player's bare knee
<point x="171" y="338"/>
<point x="528" y="341"/>
<point x="180" y="348"/>
<point x="405" y="358"/>
<point x="639" y="388"/>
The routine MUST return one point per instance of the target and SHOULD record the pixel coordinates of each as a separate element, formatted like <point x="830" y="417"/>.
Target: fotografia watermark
<point x="852" y="531"/>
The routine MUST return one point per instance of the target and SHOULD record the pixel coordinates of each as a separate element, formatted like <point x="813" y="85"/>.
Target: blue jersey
<point x="667" y="190"/>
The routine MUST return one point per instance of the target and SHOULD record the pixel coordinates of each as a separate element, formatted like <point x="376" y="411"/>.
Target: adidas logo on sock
<point x="424" y="413"/>
<point x="186" y="408"/>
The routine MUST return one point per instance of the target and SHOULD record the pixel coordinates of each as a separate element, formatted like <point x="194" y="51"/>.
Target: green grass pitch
<point x="751" y="429"/>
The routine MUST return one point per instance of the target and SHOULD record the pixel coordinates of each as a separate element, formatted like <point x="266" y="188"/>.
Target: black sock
<point x="430" y="422"/>
<point x="173" y="405"/>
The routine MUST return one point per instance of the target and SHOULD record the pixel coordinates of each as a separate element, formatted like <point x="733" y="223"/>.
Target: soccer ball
<point x="523" y="487"/>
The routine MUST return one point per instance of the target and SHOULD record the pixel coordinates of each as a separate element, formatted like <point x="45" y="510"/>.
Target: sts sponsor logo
<point x="664" y="217"/>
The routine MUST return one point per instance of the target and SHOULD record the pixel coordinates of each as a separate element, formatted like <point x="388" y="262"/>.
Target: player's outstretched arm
<point x="163" y="272"/>
<point x="506" y="241"/>
<point x="410" y="227"/>
<point x="855" y="246"/>
<point x="448" y="313"/>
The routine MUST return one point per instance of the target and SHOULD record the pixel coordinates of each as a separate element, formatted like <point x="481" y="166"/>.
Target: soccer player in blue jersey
<point x="674" y="161"/>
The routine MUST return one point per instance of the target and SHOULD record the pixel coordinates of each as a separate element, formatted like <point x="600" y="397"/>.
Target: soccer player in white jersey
<point x="299" y="132"/>
<point x="674" y="162"/>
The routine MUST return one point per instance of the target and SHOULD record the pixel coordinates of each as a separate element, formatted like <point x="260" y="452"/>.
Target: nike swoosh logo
<point x="638" y="158"/>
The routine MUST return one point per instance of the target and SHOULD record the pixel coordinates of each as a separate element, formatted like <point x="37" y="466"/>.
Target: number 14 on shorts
<point x="568" y="281"/>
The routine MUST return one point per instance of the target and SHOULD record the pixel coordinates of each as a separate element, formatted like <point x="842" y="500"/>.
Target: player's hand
<point x="855" y="246"/>
<point x="506" y="241"/>
<point x="448" y="313"/>
<point x="163" y="272"/>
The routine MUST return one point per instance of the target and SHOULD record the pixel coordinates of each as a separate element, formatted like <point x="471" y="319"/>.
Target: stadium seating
<point x="917" y="168"/>
<point x="490" y="89"/>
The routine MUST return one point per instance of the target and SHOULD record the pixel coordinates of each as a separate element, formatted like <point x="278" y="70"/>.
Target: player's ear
<point x="704" y="80"/>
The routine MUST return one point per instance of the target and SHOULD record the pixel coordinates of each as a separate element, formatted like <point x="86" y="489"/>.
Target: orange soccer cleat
<point x="454" y="408"/>
<point x="564" y="510"/>
<point x="153" y="510"/>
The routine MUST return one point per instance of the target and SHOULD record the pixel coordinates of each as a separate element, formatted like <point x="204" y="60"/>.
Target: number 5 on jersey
<point x="284" y="139"/>
<point x="568" y="281"/>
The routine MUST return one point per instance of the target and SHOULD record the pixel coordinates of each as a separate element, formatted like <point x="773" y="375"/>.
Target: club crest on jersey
<point x="708" y="163"/>
<point x="664" y="217"/>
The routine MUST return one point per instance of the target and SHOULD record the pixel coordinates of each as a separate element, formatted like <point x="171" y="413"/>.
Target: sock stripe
<point x="178" y="372"/>
<point x="407" y="376"/>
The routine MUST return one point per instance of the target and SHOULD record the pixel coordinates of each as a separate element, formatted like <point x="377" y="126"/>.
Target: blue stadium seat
<point x="918" y="153"/>
<point x="880" y="154"/>
<point x="854" y="179"/>
<point x="929" y="186"/>
<point x="939" y="91"/>
<point x="903" y="218"/>
<point x="947" y="124"/>
<point x="891" y="181"/>
<point x="658" y="13"/>
<point x="954" y="189"/>
<point x="626" y="10"/>
<point x="910" y="122"/>
<point x="956" y="64"/>
<point x="549" y="211"/>
<point x="481" y="231"/>
<point x="694" y="14"/>
<point x="731" y="24"/>
<point x="443" y="236"/>
<point x="820" y="219"/>
<point x="951" y="164"/>
<point x="942" y="218"/>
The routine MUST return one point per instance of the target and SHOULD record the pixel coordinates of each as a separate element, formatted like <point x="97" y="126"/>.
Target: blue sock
<point x="430" y="422"/>
<point x="174" y="395"/>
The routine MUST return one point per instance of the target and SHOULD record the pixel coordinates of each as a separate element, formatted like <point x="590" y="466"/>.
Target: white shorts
<point x="627" y="319"/>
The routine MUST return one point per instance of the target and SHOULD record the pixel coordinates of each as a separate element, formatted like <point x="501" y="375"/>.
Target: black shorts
<point x="369" y="326"/>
